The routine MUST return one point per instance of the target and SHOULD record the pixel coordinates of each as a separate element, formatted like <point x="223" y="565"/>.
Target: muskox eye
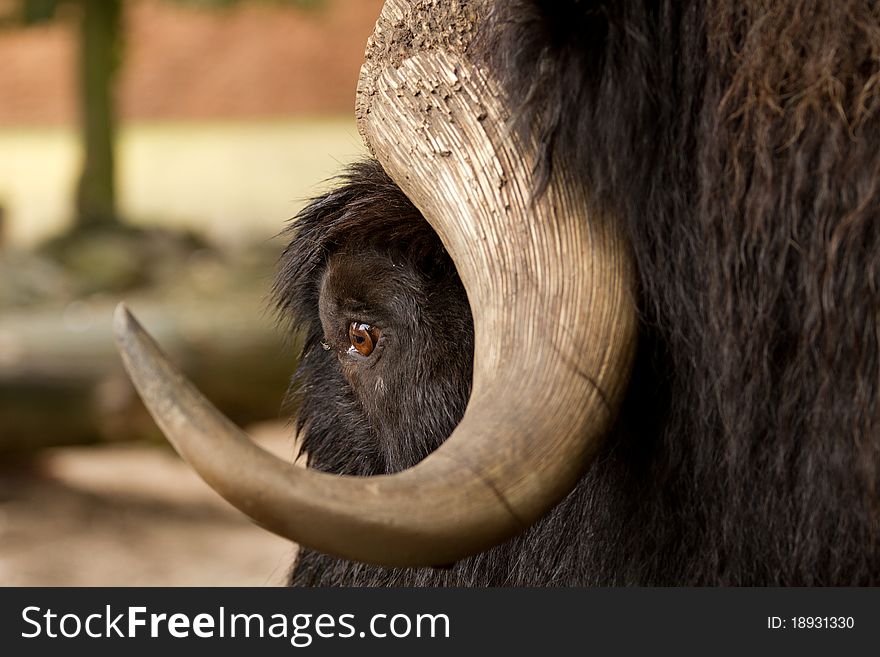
<point x="363" y="337"/>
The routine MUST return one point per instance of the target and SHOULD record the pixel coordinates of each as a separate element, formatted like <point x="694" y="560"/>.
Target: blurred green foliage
<point x="38" y="11"/>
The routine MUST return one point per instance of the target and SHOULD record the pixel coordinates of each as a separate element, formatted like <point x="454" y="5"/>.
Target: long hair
<point x="738" y="144"/>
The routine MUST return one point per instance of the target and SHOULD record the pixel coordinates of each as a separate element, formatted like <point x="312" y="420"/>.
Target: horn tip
<point x="123" y="321"/>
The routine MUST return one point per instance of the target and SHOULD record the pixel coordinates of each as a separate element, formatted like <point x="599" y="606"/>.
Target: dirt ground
<point x="129" y="515"/>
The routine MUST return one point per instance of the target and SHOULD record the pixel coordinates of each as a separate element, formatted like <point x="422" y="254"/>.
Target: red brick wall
<point x="252" y="61"/>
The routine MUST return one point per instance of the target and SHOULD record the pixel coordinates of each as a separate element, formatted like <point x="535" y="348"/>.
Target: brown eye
<point x="363" y="337"/>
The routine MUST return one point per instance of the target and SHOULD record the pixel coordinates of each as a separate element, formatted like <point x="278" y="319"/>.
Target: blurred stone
<point x="120" y="258"/>
<point x="61" y="380"/>
<point x="27" y="279"/>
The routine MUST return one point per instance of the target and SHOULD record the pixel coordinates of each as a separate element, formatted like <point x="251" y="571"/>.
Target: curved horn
<point x="554" y="320"/>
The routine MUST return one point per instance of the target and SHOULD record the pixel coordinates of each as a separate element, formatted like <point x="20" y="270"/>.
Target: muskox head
<point x="550" y="290"/>
<point x="387" y="356"/>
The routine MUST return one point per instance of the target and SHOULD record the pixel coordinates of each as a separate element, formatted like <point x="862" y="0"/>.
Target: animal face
<point x="725" y="154"/>
<point x="364" y="268"/>
<point x="387" y="321"/>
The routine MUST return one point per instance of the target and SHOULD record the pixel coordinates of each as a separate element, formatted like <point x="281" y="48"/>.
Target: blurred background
<point x="152" y="151"/>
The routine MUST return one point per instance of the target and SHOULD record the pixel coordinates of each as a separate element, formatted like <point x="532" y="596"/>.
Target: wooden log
<point x="61" y="380"/>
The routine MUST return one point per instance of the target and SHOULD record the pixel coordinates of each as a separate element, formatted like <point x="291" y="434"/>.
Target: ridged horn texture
<point x="551" y="293"/>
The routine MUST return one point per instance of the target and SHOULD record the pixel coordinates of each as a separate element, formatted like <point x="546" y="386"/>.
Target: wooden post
<point x="100" y="44"/>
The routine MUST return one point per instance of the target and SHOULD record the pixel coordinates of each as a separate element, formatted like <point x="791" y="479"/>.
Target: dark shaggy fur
<point x="364" y="253"/>
<point x="738" y="142"/>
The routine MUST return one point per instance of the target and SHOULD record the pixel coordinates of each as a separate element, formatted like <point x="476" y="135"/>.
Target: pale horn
<point x="551" y="291"/>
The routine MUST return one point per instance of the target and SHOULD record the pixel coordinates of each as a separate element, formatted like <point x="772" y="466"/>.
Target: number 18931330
<point x="811" y="623"/>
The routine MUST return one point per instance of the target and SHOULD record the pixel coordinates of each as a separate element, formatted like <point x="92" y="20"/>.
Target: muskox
<point x="656" y="359"/>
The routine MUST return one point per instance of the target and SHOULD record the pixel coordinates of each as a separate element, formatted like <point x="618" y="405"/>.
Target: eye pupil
<point x="363" y="337"/>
